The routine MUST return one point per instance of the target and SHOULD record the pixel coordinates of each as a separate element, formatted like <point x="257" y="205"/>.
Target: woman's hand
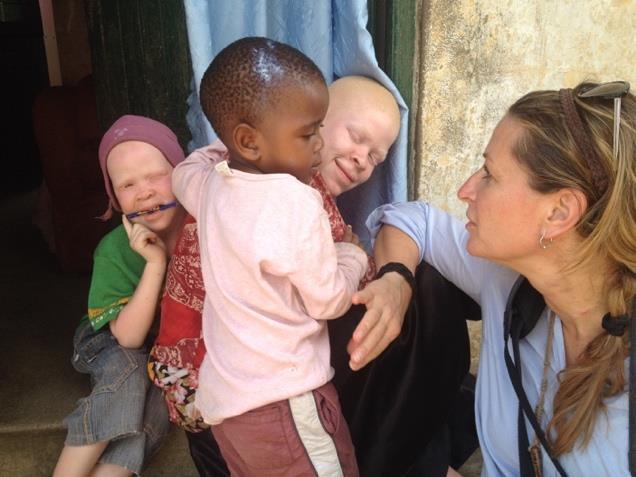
<point x="387" y="300"/>
<point x="145" y="242"/>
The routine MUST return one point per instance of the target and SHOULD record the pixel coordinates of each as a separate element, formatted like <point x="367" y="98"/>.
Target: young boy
<point x="271" y="269"/>
<point x="123" y="421"/>
<point x="361" y="124"/>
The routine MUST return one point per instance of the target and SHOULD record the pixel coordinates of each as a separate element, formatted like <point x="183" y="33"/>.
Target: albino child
<point x="123" y="421"/>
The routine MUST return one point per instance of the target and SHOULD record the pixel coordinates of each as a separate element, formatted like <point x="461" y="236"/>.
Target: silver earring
<point x="544" y="242"/>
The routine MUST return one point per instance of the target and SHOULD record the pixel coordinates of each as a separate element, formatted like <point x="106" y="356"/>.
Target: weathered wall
<point x="478" y="56"/>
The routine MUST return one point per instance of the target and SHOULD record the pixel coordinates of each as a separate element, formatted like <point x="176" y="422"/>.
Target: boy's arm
<point x="189" y="176"/>
<point x="325" y="274"/>
<point x="135" y="318"/>
<point x="214" y="153"/>
<point x="331" y="298"/>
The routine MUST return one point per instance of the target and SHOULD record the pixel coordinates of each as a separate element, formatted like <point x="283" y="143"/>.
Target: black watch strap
<point x="398" y="268"/>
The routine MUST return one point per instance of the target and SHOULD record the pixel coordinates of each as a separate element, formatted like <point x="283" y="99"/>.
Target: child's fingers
<point x="141" y="236"/>
<point x="127" y="224"/>
<point x="144" y="241"/>
<point x="136" y="234"/>
<point x="149" y="245"/>
<point x="350" y="237"/>
<point x="347" y="234"/>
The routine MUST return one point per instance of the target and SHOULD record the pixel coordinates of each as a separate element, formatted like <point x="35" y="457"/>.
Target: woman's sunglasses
<point x="614" y="90"/>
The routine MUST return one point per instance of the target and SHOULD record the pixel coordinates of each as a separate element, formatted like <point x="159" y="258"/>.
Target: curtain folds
<point x="333" y="34"/>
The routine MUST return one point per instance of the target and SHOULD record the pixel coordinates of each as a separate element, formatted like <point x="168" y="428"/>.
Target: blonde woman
<point x="554" y="202"/>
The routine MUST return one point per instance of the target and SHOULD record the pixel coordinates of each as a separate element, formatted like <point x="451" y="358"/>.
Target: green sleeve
<point x="116" y="273"/>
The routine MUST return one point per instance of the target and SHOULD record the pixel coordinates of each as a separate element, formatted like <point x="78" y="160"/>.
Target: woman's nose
<point x="360" y="156"/>
<point x="467" y="190"/>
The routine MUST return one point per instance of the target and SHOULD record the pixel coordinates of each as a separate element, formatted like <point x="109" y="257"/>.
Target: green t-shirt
<point x="117" y="270"/>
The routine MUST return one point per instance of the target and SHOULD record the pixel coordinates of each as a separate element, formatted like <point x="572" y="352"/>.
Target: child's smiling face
<point x="288" y="136"/>
<point x="141" y="179"/>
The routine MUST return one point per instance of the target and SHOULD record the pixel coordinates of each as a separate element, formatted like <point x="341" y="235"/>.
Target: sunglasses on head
<point x="613" y="90"/>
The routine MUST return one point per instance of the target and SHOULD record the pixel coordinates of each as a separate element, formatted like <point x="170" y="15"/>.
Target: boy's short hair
<point x="247" y="78"/>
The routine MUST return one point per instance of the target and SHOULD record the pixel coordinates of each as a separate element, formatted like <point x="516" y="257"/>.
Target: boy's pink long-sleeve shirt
<point x="272" y="274"/>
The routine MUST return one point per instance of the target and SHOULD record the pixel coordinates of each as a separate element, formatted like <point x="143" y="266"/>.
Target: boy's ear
<point x="568" y="209"/>
<point x="245" y="139"/>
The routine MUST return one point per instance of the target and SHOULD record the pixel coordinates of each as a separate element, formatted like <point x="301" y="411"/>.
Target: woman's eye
<point x="355" y="137"/>
<point x="486" y="172"/>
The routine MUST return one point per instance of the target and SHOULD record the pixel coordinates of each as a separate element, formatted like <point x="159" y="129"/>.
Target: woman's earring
<point x="544" y="242"/>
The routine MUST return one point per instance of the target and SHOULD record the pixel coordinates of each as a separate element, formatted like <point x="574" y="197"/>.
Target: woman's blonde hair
<point x="554" y="160"/>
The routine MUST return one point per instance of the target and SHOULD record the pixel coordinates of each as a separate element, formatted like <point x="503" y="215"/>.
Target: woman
<point x="555" y="202"/>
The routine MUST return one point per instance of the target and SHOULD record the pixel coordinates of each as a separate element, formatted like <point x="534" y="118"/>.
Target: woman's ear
<point x="245" y="139"/>
<point x="567" y="209"/>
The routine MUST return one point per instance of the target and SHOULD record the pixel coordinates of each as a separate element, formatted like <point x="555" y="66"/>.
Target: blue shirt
<point x="441" y="240"/>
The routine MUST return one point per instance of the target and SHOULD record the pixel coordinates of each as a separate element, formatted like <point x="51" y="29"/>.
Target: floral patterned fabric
<point x="179" y="349"/>
<point x="179" y="387"/>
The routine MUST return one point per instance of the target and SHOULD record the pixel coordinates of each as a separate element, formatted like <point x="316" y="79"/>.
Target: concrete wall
<point x="478" y="56"/>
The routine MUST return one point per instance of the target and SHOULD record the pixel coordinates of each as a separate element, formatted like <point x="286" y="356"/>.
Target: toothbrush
<point x="157" y="208"/>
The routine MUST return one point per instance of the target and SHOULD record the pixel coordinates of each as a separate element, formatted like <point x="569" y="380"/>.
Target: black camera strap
<point x="523" y="309"/>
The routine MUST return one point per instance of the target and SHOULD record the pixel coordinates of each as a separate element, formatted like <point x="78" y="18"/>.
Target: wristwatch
<point x="399" y="268"/>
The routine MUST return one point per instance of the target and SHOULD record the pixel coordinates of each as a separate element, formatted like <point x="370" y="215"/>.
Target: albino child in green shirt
<point x="123" y="421"/>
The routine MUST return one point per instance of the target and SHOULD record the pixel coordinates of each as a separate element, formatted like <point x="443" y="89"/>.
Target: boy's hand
<point x="145" y="242"/>
<point x="350" y="237"/>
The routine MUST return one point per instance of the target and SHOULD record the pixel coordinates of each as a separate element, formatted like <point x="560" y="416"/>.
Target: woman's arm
<point x="410" y="232"/>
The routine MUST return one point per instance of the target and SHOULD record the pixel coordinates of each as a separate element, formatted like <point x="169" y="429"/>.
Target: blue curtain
<point x="333" y="34"/>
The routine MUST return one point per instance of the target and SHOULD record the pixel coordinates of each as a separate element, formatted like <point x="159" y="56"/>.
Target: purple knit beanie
<point x="136" y="128"/>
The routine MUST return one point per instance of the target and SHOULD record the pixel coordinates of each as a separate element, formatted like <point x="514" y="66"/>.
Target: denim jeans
<point x="123" y="407"/>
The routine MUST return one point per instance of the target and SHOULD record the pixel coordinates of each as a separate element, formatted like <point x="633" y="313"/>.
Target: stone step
<point x="40" y="308"/>
<point x="34" y="452"/>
